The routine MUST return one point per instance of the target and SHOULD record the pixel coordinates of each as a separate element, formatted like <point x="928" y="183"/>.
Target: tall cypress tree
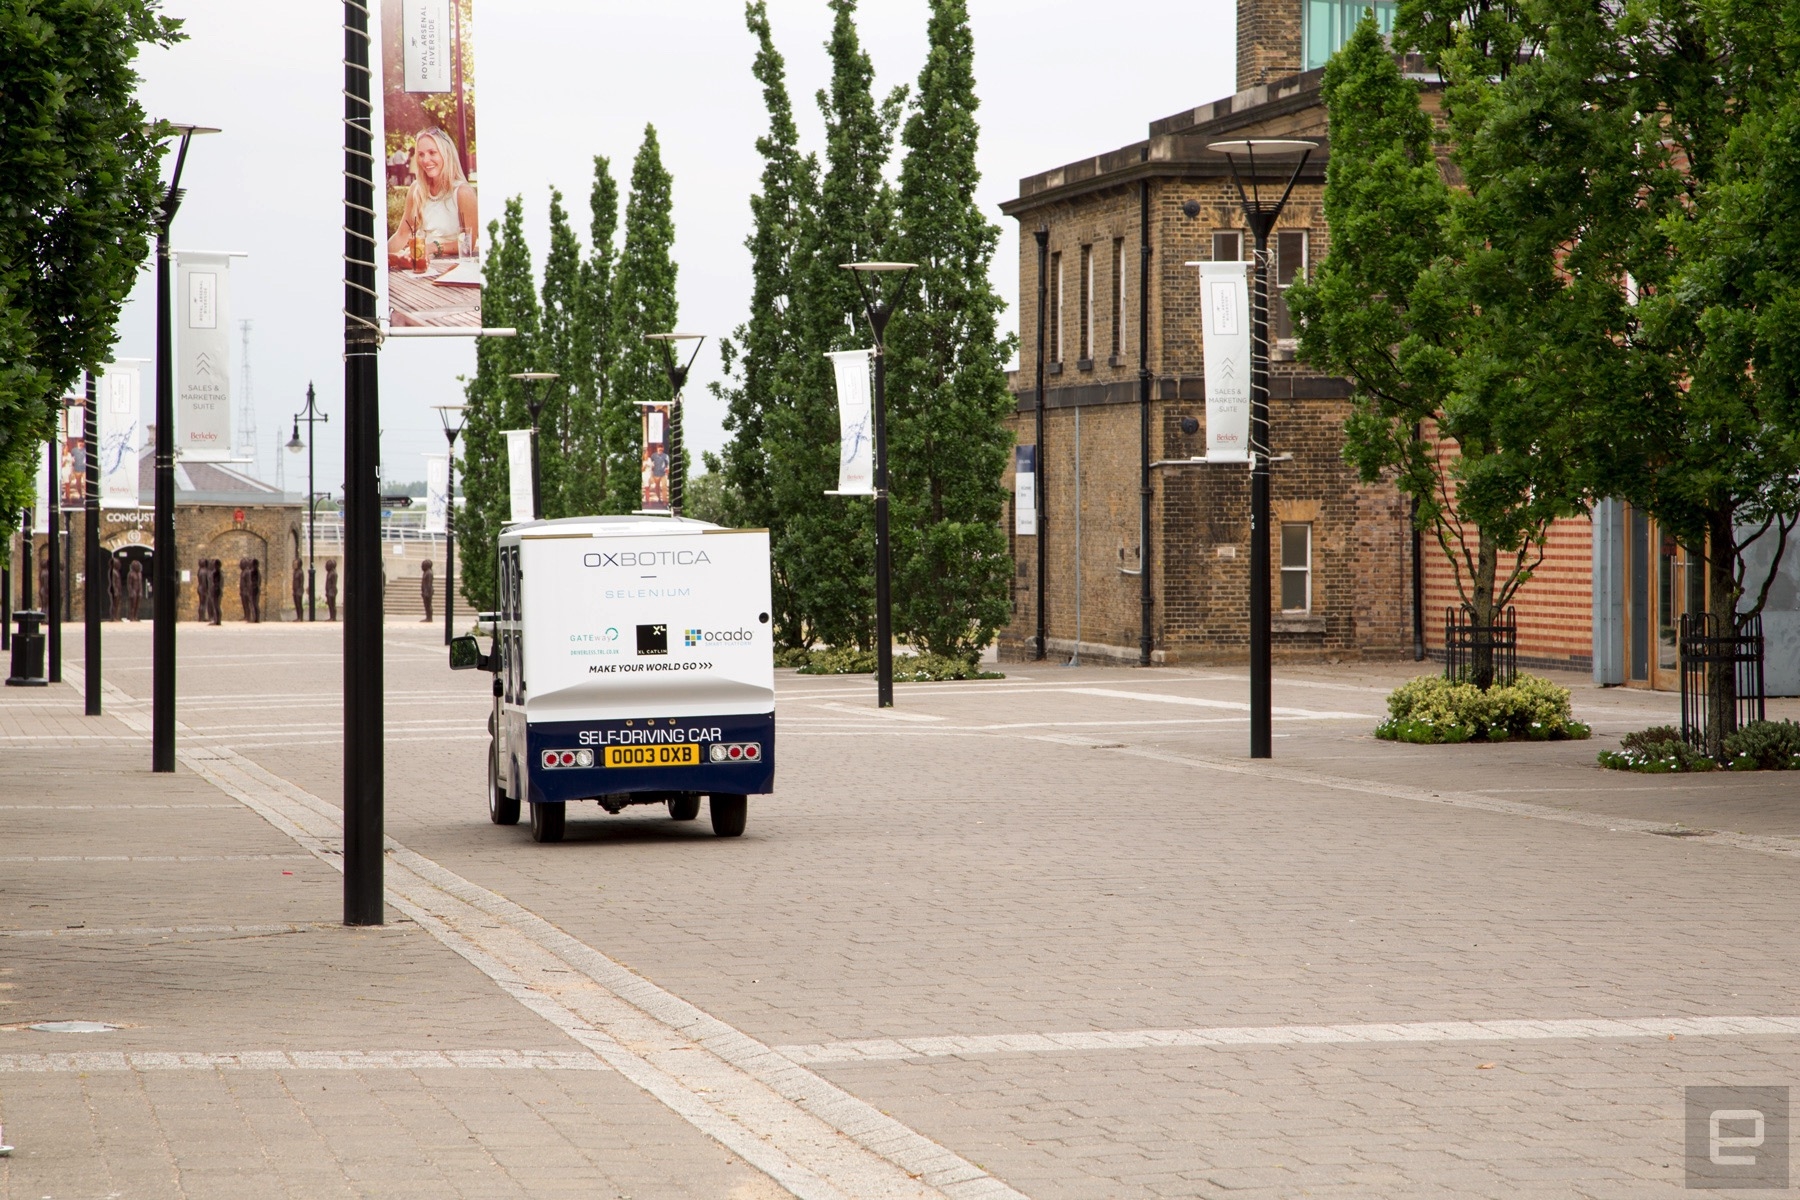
<point x="643" y="301"/>
<point x="600" y="450"/>
<point x="562" y="348"/>
<point x="495" y="403"/>
<point x="764" y="347"/>
<point x="947" y="395"/>
<point x="826" y="550"/>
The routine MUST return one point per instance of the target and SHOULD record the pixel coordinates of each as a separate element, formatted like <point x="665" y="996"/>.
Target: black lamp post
<point x="880" y="309"/>
<point x="1037" y="491"/>
<point x="162" y="648"/>
<point x="678" y="375"/>
<point x="90" y="537"/>
<point x="1261" y="214"/>
<point x="534" y="400"/>
<point x="453" y="416"/>
<point x="312" y="416"/>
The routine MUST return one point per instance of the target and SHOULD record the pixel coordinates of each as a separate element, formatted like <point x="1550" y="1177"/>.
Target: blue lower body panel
<point x="644" y="741"/>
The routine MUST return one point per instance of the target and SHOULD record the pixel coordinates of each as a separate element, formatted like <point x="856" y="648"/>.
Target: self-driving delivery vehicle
<point x="633" y="664"/>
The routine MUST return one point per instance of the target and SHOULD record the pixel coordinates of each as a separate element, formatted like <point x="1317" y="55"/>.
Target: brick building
<point x="1607" y="596"/>
<point x="1343" y="549"/>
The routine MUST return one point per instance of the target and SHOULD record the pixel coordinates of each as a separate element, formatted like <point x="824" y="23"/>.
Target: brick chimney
<point x="1268" y="41"/>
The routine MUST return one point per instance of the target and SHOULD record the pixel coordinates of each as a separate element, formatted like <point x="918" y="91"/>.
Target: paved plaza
<point x="1052" y="936"/>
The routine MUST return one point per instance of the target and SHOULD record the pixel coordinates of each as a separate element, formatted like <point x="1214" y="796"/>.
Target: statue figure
<point x="115" y="588"/>
<point x="202" y="591"/>
<point x="331" y="587"/>
<point x="427" y="588"/>
<point x="299" y="589"/>
<point x="243" y="565"/>
<point x="255" y="613"/>
<point x="134" y="588"/>
<point x="217" y="572"/>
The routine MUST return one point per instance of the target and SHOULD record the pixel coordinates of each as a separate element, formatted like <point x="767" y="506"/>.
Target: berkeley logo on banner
<point x="856" y="424"/>
<point x="203" y="365"/>
<point x="437" y="492"/>
<point x="1025" y="491"/>
<point x="1225" y="341"/>
<point x="518" y="472"/>
<point x="118" y="394"/>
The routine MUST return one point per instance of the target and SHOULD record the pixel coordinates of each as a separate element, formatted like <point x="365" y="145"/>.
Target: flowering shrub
<point x="1434" y="710"/>
<point x="1758" y="746"/>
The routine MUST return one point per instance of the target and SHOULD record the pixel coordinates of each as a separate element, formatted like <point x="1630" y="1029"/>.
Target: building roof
<point x="208" y="482"/>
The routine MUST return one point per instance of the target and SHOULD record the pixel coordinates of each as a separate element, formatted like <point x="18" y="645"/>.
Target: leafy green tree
<point x="495" y="402"/>
<point x="946" y="384"/>
<point x="1433" y="306"/>
<point x="564" y="348"/>
<point x="764" y="349"/>
<point x="81" y="190"/>
<point x="826" y="547"/>
<point x="603" y="446"/>
<point x="643" y="302"/>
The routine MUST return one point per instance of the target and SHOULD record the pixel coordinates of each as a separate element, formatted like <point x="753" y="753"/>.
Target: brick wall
<point x="1268" y="41"/>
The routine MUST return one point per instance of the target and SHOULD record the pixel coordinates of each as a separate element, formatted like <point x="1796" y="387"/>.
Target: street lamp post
<point x="534" y="400"/>
<point x="678" y="374"/>
<point x="90" y="537"/>
<point x="162" y="670"/>
<point x="453" y="416"/>
<point x="311" y="415"/>
<point x="880" y="309"/>
<point x="1261" y="214"/>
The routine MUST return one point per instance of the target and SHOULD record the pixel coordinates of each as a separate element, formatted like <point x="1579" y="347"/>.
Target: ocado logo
<point x="695" y="637"/>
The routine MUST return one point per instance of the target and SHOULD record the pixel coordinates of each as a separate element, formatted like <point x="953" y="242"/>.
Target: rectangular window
<point x="1228" y="245"/>
<point x="1290" y="265"/>
<point x="1296" y="568"/>
<point x="1087" y="304"/>
<point x="1327" y="24"/>
<point x="1056" y="307"/>
<point x="1118" y="297"/>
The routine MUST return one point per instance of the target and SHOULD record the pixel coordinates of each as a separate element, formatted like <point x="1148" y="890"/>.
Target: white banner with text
<point x="203" y="361"/>
<point x="856" y="424"/>
<point x="1225" y="342"/>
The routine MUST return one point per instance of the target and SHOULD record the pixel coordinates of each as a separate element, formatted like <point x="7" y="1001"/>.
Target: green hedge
<point x="1758" y="746"/>
<point x="908" y="668"/>
<point x="1432" y="710"/>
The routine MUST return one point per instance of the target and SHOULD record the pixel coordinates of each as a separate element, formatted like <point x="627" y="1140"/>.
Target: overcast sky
<point x="559" y="81"/>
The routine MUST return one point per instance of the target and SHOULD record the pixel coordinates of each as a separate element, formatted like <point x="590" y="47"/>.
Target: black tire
<point x="547" y="822"/>
<point x="502" y="809"/>
<point x="684" y="808"/>
<point x="728" y="814"/>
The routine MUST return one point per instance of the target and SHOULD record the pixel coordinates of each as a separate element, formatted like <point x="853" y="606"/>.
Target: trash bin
<point x="28" y="652"/>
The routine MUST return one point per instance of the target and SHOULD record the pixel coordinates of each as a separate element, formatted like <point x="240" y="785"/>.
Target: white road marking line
<point x="6" y="808"/>
<point x="149" y="858"/>
<point x="1415" y="1033"/>
<point x="88" y="1061"/>
<point x="1235" y="705"/>
<point x="157" y="930"/>
<point x="811" y="1137"/>
<point x="881" y="714"/>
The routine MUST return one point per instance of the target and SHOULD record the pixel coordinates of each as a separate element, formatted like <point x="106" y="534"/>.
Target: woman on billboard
<point x="440" y="204"/>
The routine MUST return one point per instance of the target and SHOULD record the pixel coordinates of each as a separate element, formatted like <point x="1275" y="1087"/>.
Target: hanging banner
<point x="856" y="424"/>
<point x="73" y="459"/>
<point x="203" y="360"/>
<point x="437" y="492"/>
<point x="118" y="399"/>
<point x="1225" y="343"/>
<point x="40" y="492"/>
<point x="1025" y="491"/>
<point x="518" y="472"/>
<point x="428" y="110"/>
<point x="654" y="467"/>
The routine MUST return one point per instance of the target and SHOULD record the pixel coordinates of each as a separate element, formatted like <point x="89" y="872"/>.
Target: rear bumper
<point x="561" y="784"/>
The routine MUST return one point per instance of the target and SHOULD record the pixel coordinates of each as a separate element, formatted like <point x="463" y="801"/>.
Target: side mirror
<point x="465" y="653"/>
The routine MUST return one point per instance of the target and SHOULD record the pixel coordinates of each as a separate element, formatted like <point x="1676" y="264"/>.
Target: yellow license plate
<point x="675" y="754"/>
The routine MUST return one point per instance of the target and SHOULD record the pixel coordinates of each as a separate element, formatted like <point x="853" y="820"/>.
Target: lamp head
<point x="1270" y="148"/>
<point x="294" y="443"/>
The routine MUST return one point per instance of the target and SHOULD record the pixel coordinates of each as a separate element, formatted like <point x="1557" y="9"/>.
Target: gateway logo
<point x="695" y="637"/>
<point x="646" y="558"/>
